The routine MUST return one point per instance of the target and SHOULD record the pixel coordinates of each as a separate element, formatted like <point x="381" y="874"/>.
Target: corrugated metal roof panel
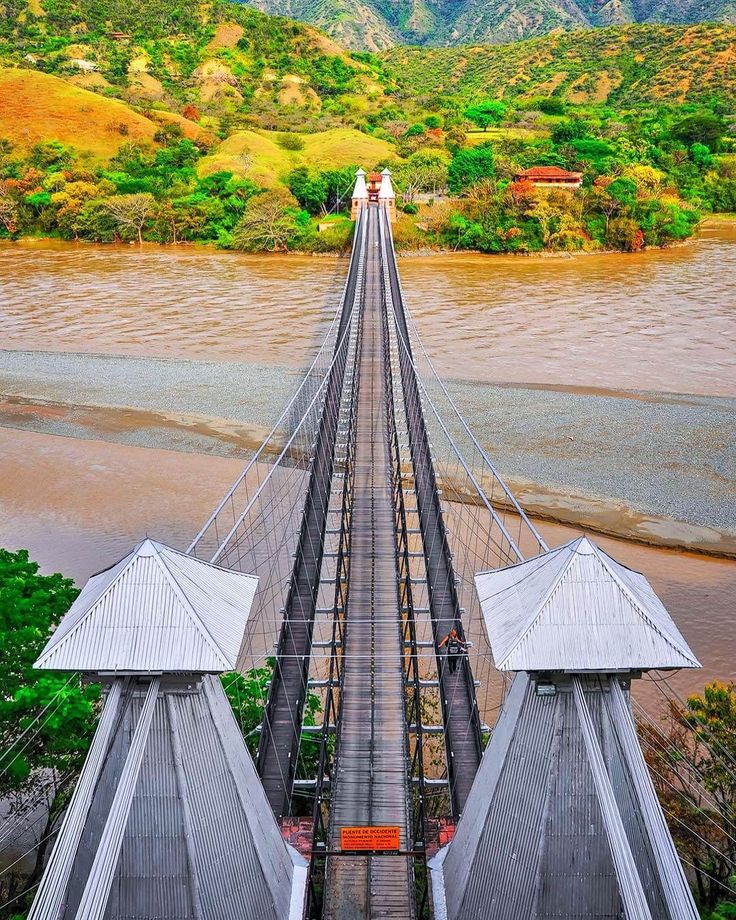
<point x="575" y="608"/>
<point x="532" y="841"/>
<point x="155" y="611"/>
<point x="200" y="839"/>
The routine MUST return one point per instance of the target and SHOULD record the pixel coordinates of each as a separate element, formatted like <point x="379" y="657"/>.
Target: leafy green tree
<point x="309" y="189"/>
<point x="570" y="129"/>
<point x="693" y="773"/>
<point x="423" y="171"/>
<point x="486" y="113"/>
<point x="704" y="129"/>
<point x="701" y="156"/>
<point x="269" y="223"/>
<point x="469" y="165"/>
<point x="552" y="105"/>
<point x="248" y="694"/>
<point x="46" y="719"/>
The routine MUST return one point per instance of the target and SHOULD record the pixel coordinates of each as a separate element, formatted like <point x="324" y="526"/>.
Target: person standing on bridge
<point x="455" y="648"/>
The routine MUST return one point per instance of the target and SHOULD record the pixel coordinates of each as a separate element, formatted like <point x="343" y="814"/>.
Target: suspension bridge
<point x="368" y="527"/>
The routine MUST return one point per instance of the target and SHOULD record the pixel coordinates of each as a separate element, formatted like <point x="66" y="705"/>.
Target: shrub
<point x="553" y="105"/>
<point x="290" y="141"/>
<point x="468" y="166"/>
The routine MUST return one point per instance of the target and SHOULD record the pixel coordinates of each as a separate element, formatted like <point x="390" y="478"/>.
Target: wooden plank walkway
<point x="371" y="784"/>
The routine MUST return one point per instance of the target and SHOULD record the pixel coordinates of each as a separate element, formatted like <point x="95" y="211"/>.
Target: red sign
<point x="371" y="837"/>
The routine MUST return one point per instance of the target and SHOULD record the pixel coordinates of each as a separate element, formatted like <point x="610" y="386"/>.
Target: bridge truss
<point x="365" y="513"/>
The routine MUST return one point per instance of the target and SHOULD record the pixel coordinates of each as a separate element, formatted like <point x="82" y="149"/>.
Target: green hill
<point x="224" y="59"/>
<point x="622" y="65"/>
<point x="212" y="122"/>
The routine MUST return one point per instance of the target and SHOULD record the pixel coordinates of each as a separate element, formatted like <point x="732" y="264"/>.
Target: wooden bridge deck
<point x="371" y="784"/>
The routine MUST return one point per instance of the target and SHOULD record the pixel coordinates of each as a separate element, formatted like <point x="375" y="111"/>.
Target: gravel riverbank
<point x="660" y="468"/>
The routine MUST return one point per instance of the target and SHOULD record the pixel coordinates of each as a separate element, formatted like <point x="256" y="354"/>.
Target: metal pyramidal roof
<point x="574" y="608"/>
<point x="169" y="820"/>
<point x="361" y="190"/>
<point x="562" y="819"/>
<point x="156" y="611"/>
<point x="386" y="190"/>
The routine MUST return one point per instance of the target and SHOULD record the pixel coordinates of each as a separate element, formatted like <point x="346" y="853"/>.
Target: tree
<point x="40" y="758"/>
<point x="691" y="759"/>
<point x="290" y="141"/>
<point x="248" y="694"/>
<point x="269" y="223"/>
<point x="612" y="196"/>
<point x="486" y="113"/>
<point x="131" y="213"/>
<point x="309" y="189"/>
<point x="456" y="138"/>
<point x="701" y="156"/>
<point x="423" y="171"/>
<point x="469" y="165"/>
<point x="8" y="210"/>
<point x="552" y="105"/>
<point x="700" y="129"/>
<point x="625" y="233"/>
<point x="570" y="129"/>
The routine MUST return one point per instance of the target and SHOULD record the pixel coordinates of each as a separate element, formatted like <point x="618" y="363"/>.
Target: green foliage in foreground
<point x="248" y="694"/>
<point x="31" y="605"/>
<point x="694" y="776"/>
<point x="46" y="718"/>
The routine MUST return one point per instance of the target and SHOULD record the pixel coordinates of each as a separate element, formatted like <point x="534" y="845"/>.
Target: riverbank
<point x="560" y="373"/>
<point x="342" y="251"/>
<point x="673" y="483"/>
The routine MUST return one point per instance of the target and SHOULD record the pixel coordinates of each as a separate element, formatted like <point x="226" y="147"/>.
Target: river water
<point x="133" y="382"/>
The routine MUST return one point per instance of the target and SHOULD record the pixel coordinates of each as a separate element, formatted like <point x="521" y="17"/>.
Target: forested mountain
<point x="379" y="24"/>
<point x="619" y="65"/>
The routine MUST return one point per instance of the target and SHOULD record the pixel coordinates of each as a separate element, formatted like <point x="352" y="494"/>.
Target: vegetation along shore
<point x="217" y="124"/>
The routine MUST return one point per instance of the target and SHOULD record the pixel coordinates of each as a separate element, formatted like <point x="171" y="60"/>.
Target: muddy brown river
<point x="132" y="383"/>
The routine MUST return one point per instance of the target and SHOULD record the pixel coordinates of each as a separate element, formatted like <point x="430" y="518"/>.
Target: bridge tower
<point x="360" y="194"/>
<point x="168" y="820"/>
<point x="387" y="195"/>
<point x="563" y="819"/>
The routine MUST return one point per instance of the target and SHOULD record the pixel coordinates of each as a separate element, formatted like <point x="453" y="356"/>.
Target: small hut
<point x="168" y="820"/>
<point x="563" y="819"/>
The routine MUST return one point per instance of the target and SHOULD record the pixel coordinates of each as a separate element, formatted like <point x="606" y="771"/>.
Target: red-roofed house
<point x="550" y="177"/>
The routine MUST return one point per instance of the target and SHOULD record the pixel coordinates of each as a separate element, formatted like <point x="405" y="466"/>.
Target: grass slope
<point x="222" y="57"/>
<point x="38" y="107"/>
<point x="621" y="64"/>
<point x="258" y="155"/>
